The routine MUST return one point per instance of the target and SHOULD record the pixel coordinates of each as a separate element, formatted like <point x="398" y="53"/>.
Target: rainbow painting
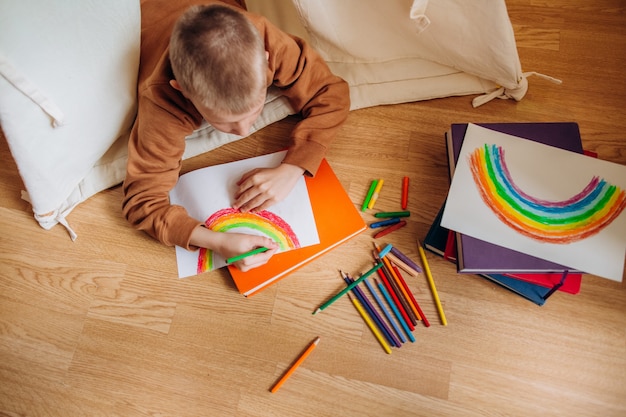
<point x="261" y="222"/>
<point x="578" y="217"/>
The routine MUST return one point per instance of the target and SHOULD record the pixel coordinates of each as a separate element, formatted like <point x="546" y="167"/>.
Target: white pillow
<point x="406" y="50"/>
<point x="68" y="99"/>
<point x="67" y="91"/>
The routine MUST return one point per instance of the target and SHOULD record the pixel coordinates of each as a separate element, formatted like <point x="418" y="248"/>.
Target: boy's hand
<point x="229" y="245"/>
<point x="264" y="187"/>
<point x="233" y="244"/>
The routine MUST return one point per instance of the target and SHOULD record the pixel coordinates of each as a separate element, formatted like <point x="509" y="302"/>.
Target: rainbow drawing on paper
<point x="263" y="222"/>
<point x="566" y="221"/>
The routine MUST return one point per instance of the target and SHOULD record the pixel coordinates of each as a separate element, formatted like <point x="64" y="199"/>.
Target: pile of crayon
<point x="392" y="296"/>
<point x="394" y="220"/>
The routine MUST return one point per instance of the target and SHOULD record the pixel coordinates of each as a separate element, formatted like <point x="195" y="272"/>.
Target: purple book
<point x="476" y="256"/>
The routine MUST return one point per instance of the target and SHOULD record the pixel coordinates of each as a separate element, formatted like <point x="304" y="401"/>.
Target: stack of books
<point x="533" y="278"/>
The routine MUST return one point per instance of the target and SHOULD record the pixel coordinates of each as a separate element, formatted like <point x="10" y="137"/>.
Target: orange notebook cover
<point x="337" y="220"/>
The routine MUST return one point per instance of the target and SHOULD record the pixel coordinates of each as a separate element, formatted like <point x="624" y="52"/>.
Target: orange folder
<point x="337" y="220"/>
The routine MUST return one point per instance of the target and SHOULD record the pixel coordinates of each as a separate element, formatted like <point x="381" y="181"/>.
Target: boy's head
<point x="220" y="64"/>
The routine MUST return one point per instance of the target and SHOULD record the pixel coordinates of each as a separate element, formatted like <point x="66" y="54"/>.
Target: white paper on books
<point x="549" y="185"/>
<point x="208" y="193"/>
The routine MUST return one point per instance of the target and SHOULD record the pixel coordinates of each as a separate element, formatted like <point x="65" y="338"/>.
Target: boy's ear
<point x="175" y="85"/>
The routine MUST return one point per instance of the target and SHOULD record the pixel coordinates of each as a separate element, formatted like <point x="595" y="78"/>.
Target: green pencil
<point x="368" y="197"/>
<point x="348" y="288"/>
<point x="392" y="214"/>
<point x="246" y="254"/>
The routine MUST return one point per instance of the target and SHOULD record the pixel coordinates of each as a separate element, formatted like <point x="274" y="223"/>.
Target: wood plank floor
<point x="103" y="326"/>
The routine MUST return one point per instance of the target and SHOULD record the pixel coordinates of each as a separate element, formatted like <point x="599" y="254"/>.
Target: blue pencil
<point x="383" y="290"/>
<point x="385" y="311"/>
<point x="384" y="223"/>
<point x="373" y="313"/>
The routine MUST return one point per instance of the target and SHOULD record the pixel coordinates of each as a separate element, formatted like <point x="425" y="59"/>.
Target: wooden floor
<point x="103" y="326"/>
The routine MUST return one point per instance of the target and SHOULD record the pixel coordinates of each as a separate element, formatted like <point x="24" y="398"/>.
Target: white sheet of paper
<point x="544" y="172"/>
<point x="206" y="191"/>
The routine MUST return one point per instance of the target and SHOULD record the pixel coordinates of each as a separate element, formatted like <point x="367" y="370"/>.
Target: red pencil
<point x="405" y="192"/>
<point x="395" y="299"/>
<point x="390" y="229"/>
<point x="406" y="287"/>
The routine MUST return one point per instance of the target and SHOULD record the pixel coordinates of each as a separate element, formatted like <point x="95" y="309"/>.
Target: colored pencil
<point x="405" y="192"/>
<point x="397" y="298"/>
<point x="401" y="288"/>
<point x="408" y="290"/>
<point x="369" y="308"/>
<point x="402" y="292"/>
<point x="396" y="261"/>
<point x="385" y="251"/>
<point x="369" y="323"/>
<point x="385" y="311"/>
<point x="395" y="310"/>
<point x="384" y="223"/>
<point x="295" y="365"/>
<point x="347" y="289"/>
<point x="431" y="283"/>
<point x="392" y="228"/>
<point x="390" y="214"/>
<point x="246" y="254"/>
<point x="368" y="197"/>
<point x="372" y="201"/>
<point x="406" y="259"/>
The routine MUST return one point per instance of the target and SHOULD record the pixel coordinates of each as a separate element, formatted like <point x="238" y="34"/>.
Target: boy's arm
<point x="321" y="97"/>
<point x="155" y="150"/>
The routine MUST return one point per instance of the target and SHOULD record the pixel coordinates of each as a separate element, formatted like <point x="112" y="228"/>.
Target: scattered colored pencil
<point x="368" y="197"/>
<point x="385" y="251"/>
<point x="395" y="310"/>
<point x="405" y="259"/>
<point x="295" y="365"/>
<point x="405" y="192"/>
<point x="376" y="318"/>
<point x="431" y="283"/>
<point x="384" y="223"/>
<point x="396" y="261"/>
<point x="369" y="323"/>
<point x="390" y="214"/>
<point x="385" y="311"/>
<point x="372" y="201"/>
<point x="402" y="290"/>
<point x="408" y="290"/>
<point x="397" y="298"/>
<point x="390" y="229"/>
<point x="347" y="289"/>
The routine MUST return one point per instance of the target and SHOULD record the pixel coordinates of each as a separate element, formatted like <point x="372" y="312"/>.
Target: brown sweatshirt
<point x="165" y="117"/>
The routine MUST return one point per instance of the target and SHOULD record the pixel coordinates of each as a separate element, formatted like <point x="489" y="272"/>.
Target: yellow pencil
<point x="295" y="365"/>
<point x="431" y="283"/>
<point x="370" y="324"/>
<point x="370" y="205"/>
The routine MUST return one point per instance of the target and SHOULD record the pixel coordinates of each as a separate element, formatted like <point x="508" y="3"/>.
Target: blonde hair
<point x="218" y="58"/>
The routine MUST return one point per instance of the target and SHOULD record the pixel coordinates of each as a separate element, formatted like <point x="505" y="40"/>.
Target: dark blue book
<point x="532" y="292"/>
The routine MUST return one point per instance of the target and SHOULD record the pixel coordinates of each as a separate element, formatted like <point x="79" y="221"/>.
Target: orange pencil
<point x="295" y="365"/>
<point x="408" y="290"/>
